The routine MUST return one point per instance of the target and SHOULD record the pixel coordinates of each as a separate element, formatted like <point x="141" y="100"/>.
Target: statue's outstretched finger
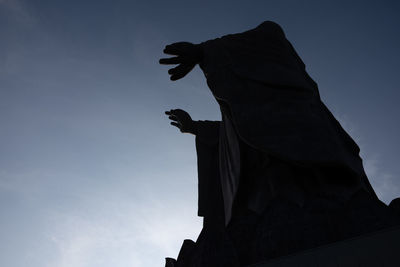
<point x="170" y="61"/>
<point x="176" y="124"/>
<point x="180" y="71"/>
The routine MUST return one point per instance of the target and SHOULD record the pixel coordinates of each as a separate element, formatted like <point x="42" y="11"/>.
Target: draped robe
<point x="270" y="104"/>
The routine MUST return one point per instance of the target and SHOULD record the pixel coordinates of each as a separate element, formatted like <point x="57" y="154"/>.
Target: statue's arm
<point x="211" y="55"/>
<point x="207" y="131"/>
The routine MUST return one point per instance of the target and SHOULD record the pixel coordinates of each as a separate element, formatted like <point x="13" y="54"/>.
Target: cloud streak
<point x="18" y="11"/>
<point x="382" y="181"/>
<point x="134" y="235"/>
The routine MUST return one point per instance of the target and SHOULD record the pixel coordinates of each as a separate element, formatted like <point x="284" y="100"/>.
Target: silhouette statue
<point x="278" y="173"/>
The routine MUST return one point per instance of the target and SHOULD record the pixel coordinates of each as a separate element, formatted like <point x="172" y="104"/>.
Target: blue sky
<point x="91" y="172"/>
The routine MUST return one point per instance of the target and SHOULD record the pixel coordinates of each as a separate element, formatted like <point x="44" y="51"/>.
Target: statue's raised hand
<point x="182" y="120"/>
<point x="187" y="56"/>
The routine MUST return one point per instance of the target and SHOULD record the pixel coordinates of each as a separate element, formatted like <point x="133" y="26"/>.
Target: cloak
<point x="274" y="104"/>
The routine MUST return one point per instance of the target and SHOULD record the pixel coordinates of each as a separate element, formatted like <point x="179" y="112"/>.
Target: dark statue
<point x="278" y="174"/>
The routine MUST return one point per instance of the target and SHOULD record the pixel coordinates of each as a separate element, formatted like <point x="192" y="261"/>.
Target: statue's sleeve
<point x="262" y="54"/>
<point x="207" y="132"/>
<point x="209" y="188"/>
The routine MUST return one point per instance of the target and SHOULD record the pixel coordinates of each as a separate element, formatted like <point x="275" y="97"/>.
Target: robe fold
<point x="271" y="104"/>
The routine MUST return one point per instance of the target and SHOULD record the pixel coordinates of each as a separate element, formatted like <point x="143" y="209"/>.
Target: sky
<point x="91" y="172"/>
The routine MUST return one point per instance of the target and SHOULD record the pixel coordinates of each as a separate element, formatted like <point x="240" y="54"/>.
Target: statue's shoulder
<point x="270" y="26"/>
<point x="269" y="23"/>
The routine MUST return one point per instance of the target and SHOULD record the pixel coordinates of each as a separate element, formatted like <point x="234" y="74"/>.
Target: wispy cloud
<point x="382" y="181"/>
<point x="103" y="227"/>
<point x="18" y="11"/>
<point x="136" y="235"/>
